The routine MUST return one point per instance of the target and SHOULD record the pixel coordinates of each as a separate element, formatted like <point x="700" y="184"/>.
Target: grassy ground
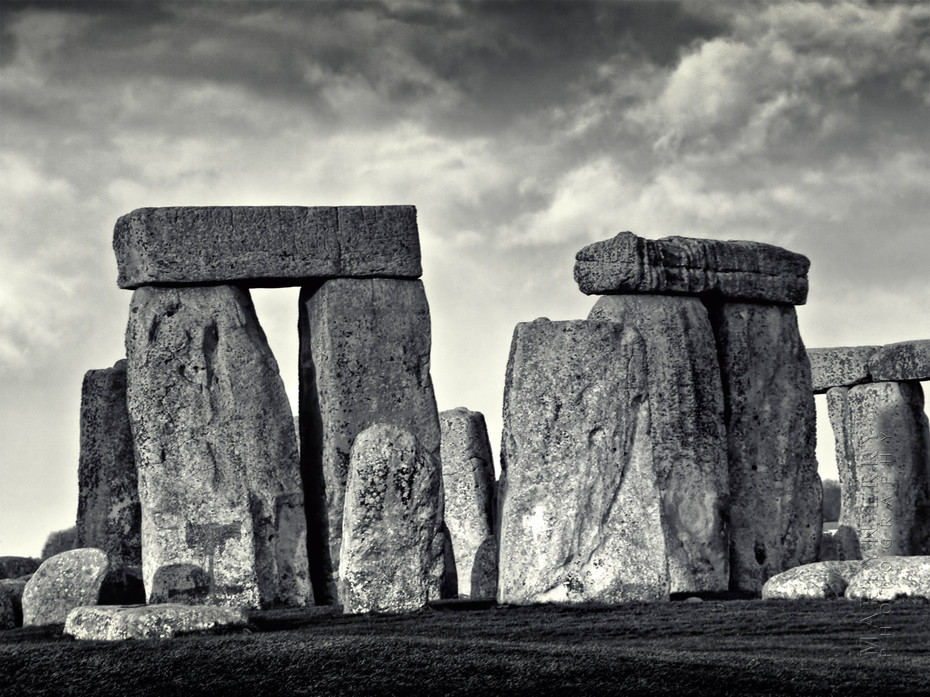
<point x="735" y="647"/>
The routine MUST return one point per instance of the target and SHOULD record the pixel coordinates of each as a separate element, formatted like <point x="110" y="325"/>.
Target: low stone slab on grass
<point x="118" y="622"/>
<point x="823" y="579"/>
<point x="65" y="581"/>
<point x="887" y="578"/>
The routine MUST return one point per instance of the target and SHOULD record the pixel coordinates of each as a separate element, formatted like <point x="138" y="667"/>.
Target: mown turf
<point x="737" y="647"/>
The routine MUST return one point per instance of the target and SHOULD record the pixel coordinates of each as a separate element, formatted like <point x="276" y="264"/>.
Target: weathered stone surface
<point x="118" y="622"/>
<point x="265" y="245"/>
<point x="63" y="582"/>
<point x="216" y="452"/>
<point x="7" y="615"/>
<point x="775" y="492"/>
<point x="824" y="579"/>
<point x="468" y="481"/>
<point x="889" y="578"/>
<point x="906" y="360"/>
<point x="15" y="587"/>
<point x="364" y="359"/>
<point x="109" y="516"/>
<point x="14" y="567"/>
<point x="581" y="508"/>
<point x="883" y="459"/>
<point x="60" y="541"/>
<point x="734" y="270"/>
<point x="689" y="446"/>
<point x="839" y="366"/>
<point x="393" y="542"/>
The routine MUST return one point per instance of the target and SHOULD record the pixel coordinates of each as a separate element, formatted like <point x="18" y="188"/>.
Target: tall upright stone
<point x="775" y="491"/>
<point x="687" y="431"/>
<point x="364" y="360"/>
<point x="109" y="514"/>
<point x="883" y="458"/>
<point x="468" y="480"/>
<point x="393" y="539"/>
<point x="216" y="452"/>
<point x="580" y="503"/>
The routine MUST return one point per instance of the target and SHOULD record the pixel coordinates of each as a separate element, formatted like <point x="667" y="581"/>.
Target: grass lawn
<point x="732" y="647"/>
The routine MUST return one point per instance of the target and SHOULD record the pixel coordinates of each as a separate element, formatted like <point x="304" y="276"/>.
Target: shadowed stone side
<point x="775" y="492"/>
<point x="468" y="480"/>
<point x="393" y="542"/>
<point x="215" y="450"/>
<point x="734" y="270"/>
<point x="63" y="582"/>
<point x="883" y="458"/>
<point x="686" y="428"/>
<point x="364" y="359"/>
<point x="580" y="507"/>
<point x="264" y="245"/>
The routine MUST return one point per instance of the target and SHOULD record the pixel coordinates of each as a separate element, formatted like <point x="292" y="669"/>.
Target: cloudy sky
<point x="521" y="131"/>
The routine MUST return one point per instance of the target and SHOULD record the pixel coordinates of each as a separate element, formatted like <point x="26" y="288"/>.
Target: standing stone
<point x="687" y="432"/>
<point x="468" y="480"/>
<point x="215" y="450"/>
<point x="581" y="508"/>
<point x="364" y="359"/>
<point x="109" y="514"/>
<point x="7" y="614"/>
<point x="63" y="582"/>
<point x="883" y="459"/>
<point x="393" y="544"/>
<point x="775" y="492"/>
<point x="905" y="360"/>
<point x="840" y="365"/>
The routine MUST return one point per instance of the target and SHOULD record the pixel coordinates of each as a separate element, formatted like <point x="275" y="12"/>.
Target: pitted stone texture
<point x="775" y="492"/>
<point x="468" y="481"/>
<point x="119" y="622"/>
<point x="364" y="359"/>
<point x="265" y="245"/>
<point x="393" y="543"/>
<point x="839" y="366"/>
<point x="14" y="567"/>
<point x="109" y="515"/>
<point x="823" y="579"/>
<point x="215" y="450"/>
<point x="689" y="446"/>
<point x="906" y="360"/>
<point x="733" y="270"/>
<point x="889" y="578"/>
<point x="581" y="508"/>
<point x="883" y="459"/>
<point x="63" y="582"/>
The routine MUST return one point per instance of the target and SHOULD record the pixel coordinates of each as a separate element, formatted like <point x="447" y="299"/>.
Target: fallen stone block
<point x="393" y="541"/>
<point x="120" y="622"/>
<point x="775" y="491"/>
<point x="581" y="507"/>
<point x="890" y="578"/>
<point x="63" y="582"/>
<point x="906" y="360"/>
<point x="14" y="567"/>
<point x="735" y="270"/>
<point x="265" y="245"/>
<point x="819" y="580"/>
<point x="839" y="366"/>
<point x="468" y="483"/>
<point x="216" y="452"/>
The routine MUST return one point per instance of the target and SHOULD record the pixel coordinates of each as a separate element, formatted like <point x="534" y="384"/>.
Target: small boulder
<point x="888" y="578"/>
<point x="14" y="567"/>
<point x="118" y="622"/>
<point x="822" y="579"/>
<point x="63" y="582"/>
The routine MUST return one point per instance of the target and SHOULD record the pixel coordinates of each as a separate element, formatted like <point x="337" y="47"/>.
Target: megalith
<point x="839" y="365"/>
<point x="393" y="542"/>
<point x="686" y="430"/>
<point x="580" y="504"/>
<point x="883" y="458"/>
<point x="63" y="582"/>
<point x="109" y="516"/>
<point x="216" y="452"/>
<point x="364" y="360"/>
<point x="468" y="483"/>
<point x="775" y="491"/>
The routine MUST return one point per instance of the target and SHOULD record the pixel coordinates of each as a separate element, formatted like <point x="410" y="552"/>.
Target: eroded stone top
<point x="265" y="245"/>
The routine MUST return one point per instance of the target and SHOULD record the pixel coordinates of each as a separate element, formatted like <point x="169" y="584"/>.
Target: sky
<point x="521" y="131"/>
